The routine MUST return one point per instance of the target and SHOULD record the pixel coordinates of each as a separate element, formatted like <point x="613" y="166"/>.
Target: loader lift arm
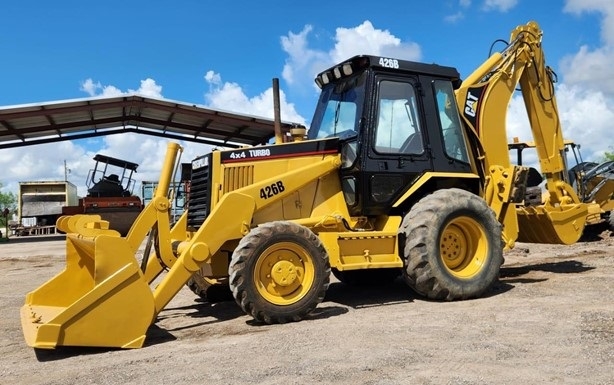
<point x="240" y="204"/>
<point x="483" y="99"/>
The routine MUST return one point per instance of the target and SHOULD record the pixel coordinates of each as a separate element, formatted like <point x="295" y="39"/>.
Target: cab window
<point x="453" y="138"/>
<point x="398" y="127"/>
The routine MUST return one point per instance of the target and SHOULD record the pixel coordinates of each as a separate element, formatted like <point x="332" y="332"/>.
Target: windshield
<point x="339" y="108"/>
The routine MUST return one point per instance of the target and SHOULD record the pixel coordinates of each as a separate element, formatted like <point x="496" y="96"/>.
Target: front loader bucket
<point x="100" y="299"/>
<point x="538" y="224"/>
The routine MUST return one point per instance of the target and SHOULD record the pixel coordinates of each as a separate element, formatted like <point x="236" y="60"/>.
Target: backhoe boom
<point x="483" y="100"/>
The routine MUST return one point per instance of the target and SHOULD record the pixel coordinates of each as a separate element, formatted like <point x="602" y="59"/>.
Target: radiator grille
<point x="200" y="192"/>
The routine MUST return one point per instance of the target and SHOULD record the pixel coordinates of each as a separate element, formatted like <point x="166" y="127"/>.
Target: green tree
<point x="607" y="156"/>
<point x="8" y="201"/>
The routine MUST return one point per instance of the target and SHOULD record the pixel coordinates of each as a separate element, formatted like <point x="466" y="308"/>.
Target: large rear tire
<point x="451" y="246"/>
<point x="279" y="272"/>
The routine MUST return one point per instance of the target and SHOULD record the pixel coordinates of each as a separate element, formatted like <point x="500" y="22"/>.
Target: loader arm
<point x="483" y="100"/>
<point x="103" y="298"/>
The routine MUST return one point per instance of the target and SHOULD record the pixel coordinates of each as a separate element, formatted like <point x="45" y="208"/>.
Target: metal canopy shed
<point x="31" y="124"/>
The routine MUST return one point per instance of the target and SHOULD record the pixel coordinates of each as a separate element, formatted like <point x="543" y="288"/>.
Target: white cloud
<point x="587" y="96"/>
<point x="365" y="39"/>
<point x="586" y="117"/>
<point x="148" y="88"/>
<point x="304" y="63"/>
<point x="39" y="163"/>
<point x="604" y="7"/>
<point x="301" y="59"/>
<point x="499" y="5"/>
<point x="591" y="66"/>
<point x="213" y="78"/>
<point x="231" y="97"/>
<point x="89" y="87"/>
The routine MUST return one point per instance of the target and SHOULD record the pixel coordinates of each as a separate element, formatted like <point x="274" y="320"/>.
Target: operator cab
<point x="395" y="120"/>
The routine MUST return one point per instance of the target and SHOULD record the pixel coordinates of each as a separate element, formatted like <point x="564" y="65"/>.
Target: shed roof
<point x="84" y="118"/>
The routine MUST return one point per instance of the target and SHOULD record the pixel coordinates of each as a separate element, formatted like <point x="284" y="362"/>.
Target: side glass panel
<point x="398" y="126"/>
<point x="339" y="116"/>
<point x="453" y="138"/>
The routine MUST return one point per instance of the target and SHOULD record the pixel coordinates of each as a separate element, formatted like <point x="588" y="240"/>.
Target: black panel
<point x="199" y="204"/>
<point x="290" y="150"/>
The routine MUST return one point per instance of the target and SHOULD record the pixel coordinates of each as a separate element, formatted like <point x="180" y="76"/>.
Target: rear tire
<point x="452" y="246"/>
<point x="611" y="220"/>
<point x="279" y="272"/>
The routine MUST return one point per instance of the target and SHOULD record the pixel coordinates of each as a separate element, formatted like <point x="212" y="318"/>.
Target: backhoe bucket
<point x="100" y="299"/>
<point x="537" y="224"/>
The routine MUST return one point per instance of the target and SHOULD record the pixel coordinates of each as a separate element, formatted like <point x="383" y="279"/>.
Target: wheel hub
<point x="453" y="247"/>
<point x="284" y="273"/>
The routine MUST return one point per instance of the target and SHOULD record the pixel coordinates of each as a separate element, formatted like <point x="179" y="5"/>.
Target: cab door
<point x="397" y="150"/>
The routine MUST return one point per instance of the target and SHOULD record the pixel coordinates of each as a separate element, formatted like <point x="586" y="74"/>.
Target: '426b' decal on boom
<point x="272" y="190"/>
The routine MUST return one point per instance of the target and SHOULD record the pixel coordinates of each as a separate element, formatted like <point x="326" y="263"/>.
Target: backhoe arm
<point x="483" y="100"/>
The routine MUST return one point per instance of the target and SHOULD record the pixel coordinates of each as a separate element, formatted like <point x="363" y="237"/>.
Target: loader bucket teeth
<point x="99" y="299"/>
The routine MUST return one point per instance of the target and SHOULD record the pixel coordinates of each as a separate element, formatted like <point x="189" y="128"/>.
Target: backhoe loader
<point x="404" y="171"/>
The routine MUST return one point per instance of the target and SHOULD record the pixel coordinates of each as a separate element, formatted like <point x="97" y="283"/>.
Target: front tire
<point x="452" y="246"/>
<point x="279" y="272"/>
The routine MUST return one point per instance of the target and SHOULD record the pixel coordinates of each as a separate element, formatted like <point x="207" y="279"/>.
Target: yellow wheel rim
<point x="463" y="247"/>
<point x="284" y="273"/>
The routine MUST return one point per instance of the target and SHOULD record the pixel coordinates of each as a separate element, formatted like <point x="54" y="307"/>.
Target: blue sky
<point x="224" y="55"/>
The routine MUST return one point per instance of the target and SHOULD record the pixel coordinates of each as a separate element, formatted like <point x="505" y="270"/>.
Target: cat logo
<point x="471" y="105"/>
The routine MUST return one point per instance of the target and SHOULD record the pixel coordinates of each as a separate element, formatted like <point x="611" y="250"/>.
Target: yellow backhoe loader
<point x="404" y="171"/>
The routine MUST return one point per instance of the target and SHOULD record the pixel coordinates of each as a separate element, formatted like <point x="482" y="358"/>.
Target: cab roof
<point x="386" y="63"/>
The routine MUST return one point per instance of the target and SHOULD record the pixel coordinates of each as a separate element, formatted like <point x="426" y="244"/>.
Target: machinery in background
<point x="110" y="188"/>
<point x="593" y="182"/>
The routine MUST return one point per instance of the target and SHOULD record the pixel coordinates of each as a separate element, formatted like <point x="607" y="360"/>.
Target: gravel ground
<point x="550" y="320"/>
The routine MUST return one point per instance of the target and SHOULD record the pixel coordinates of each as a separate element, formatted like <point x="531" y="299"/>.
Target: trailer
<point x="40" y="205"/>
